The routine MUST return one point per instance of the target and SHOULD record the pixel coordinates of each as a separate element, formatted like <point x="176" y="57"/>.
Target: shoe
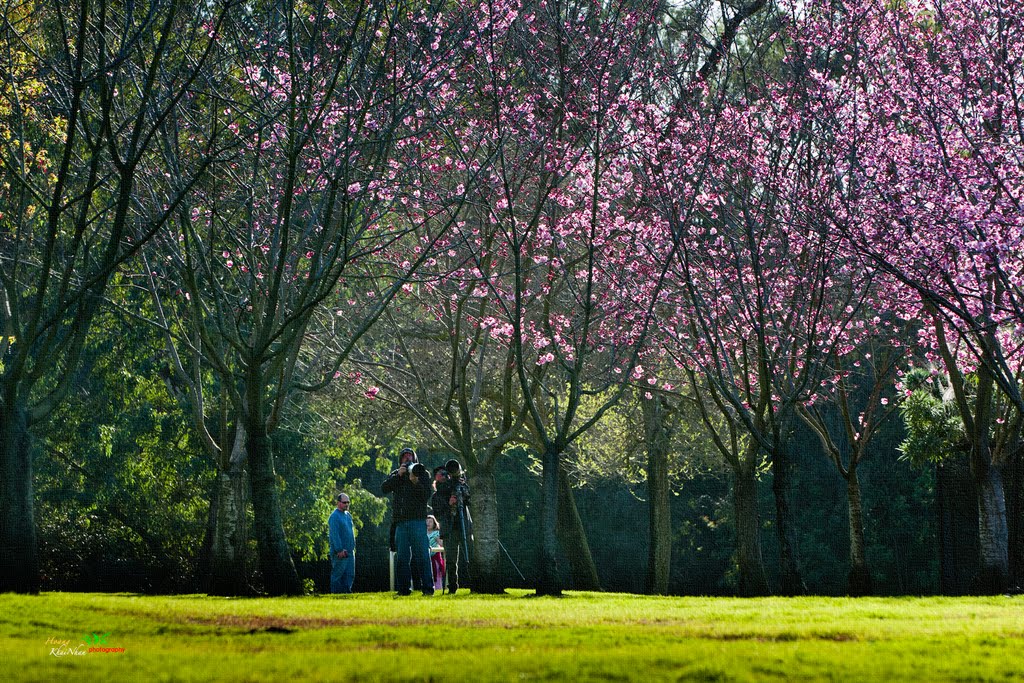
<point x="428" y="593"/>
<point x="453" y="591"/>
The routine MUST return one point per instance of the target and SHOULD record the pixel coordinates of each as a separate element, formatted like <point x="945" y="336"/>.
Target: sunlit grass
<point x="582" y="636"/>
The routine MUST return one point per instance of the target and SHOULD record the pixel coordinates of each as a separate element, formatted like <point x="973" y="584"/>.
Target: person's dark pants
<point x="453" y="556"/>
<point x="412" y="545"/>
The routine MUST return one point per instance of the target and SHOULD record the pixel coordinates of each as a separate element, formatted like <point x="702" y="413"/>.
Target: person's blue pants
<point x="343" y="573"/>
<point x="411" y="544"/>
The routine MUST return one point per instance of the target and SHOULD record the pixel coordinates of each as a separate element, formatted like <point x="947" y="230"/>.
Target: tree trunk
<point x="859" y="579"/>
<point x="486" y="558"/>
<point x="790" y="581"/>
<point x="19" y="553"/>
<point x="657" y="436"/>
<point x="994" y="564"/>
<point x="958" y="525"/>
<point x="279" y="575"/>
<point x="574" y="538"/>
<point x="549" y="580"/>
<point x="229" y="532"/>
<point x="227" y="571"/>
<point x="748" y="532"/>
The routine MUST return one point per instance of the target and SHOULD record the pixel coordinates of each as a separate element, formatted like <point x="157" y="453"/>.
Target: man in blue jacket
<point x="410" y="484"/>
<point x="343" y="547"/>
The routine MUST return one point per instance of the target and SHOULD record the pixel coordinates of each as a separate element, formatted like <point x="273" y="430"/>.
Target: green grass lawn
<point x="582" y="636"/>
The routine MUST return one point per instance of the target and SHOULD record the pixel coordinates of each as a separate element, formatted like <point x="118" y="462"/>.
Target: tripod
<point x="460" y="507"/>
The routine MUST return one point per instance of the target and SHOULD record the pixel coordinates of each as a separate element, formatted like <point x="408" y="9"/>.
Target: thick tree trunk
<point x="753" y="580"/>
<point x="19" y="553"/>
<point x="227" y="572"/>
<point x="549" y="580"/>
<point x="574" y="538"/>
<point x="657" y="437"/>
<point x="958" y="525"/>
<point x="859" y="579"/>
<point x="486" y="558"/>
<point x="228" y="530"/>
<point x="994" y="564"/>
<point x="279" y="575"/>
<point x="790" y="581"/>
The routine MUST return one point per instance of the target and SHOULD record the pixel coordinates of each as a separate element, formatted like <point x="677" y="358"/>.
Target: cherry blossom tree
<point x="922" y="108"/>
<point x="761" y="296"/>
<point x="517" y="296"/>
<point x="558" y="84"/>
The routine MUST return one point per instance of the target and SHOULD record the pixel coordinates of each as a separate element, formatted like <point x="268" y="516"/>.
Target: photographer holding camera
<point x="411" y="485"/>
<point x="451" y="505"/>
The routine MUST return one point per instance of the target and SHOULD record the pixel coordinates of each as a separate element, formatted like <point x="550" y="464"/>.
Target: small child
<point x="436" y="551"/>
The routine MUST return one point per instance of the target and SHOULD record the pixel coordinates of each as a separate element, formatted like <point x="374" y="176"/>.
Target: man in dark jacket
<point x="450" y="503"/>
<point x="410" y="484"/>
